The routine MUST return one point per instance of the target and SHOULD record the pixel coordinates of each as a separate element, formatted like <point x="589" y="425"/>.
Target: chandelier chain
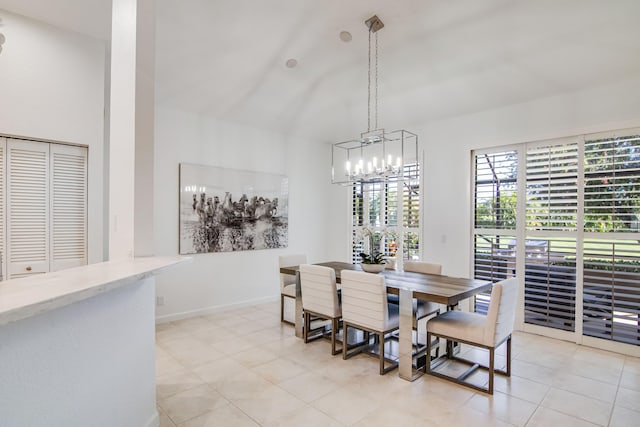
<point x="376" y="74"/>
<point x="369" y="86"/>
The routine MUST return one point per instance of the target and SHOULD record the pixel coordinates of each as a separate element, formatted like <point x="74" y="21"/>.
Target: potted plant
<point x="373" y="261"/>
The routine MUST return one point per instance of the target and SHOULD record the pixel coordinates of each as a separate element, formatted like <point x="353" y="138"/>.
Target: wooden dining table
<point x="440" y="289"/>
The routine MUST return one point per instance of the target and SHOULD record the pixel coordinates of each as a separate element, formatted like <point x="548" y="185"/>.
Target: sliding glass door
<point x="564" y="216"/>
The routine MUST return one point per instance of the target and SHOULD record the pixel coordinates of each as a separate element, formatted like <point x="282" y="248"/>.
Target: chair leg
<point x="508" y="373"/>
<point x="306" y="327"/>
<point x="281" y="308"/>
<point x="492" y="356"/>
<point x="334" y="330"/>
<point x="345" y="329"/>
<point x="427" y="358"/>
<point x="382" y="354"/>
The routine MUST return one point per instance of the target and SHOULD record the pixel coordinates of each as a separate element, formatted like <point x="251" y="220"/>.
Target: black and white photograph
<point x="226" y="210"/>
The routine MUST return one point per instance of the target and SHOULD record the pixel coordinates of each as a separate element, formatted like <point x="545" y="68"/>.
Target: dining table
<point x="441" y="289"/>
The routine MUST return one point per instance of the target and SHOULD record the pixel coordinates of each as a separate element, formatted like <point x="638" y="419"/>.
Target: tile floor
<point x="243" y="368"/>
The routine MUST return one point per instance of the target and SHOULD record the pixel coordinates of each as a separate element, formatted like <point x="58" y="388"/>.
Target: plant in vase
<point x="374" y="260"/>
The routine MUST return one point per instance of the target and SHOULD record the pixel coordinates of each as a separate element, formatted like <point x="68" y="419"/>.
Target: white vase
<point x="372" y="268"/>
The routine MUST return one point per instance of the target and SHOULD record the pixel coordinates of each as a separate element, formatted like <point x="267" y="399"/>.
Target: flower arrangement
<point x="373" y="237"/>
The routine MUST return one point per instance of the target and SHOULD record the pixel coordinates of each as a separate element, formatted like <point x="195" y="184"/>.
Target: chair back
<point x="364" y="299"/>
<point x="319" y="291"/>
<point x="502" y="311"/>
<point x="289" y="261"/>
<point x="422" y="267"/>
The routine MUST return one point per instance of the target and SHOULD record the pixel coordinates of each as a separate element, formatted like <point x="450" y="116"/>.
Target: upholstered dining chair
<point x="423" y="267"/>
<point x="365" y="307"/>
<point x="320" y="299"/>
<point x="477" y="330"/>
<point x="288" y="281"/>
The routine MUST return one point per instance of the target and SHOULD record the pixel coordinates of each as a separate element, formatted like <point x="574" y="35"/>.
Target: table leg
<point x="405" y="358"/>
<point x="298" y="311"/>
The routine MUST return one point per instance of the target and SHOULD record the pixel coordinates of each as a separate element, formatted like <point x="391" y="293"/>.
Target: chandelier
<point x="376" y="155"/>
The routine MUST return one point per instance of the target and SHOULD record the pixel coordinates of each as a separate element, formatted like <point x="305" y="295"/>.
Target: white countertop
<point x="27" y="297"/>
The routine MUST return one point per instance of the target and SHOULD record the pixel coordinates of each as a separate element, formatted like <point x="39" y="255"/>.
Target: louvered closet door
<point x="68" y="206"/>
<point x="27" y="208"/>
<point x="3" y="192"/>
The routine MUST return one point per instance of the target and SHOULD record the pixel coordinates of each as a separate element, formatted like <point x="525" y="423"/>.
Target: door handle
<point x="28" y="268"/>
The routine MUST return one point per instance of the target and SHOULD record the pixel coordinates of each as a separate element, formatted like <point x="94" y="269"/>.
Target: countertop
<point x="30" y="296"/>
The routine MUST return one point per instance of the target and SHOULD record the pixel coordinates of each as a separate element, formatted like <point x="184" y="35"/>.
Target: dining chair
<point x="288" y="281"/>
<point x="478" y="330"/>
<point x="365" y="307"/>
<point x="320" y="299"/>
<point x="423" y="267"/>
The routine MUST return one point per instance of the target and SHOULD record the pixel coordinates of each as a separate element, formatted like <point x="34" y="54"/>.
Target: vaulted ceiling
<point x="226" y="58"/>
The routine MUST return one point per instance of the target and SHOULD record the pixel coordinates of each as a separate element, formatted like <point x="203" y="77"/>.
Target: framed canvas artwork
<point x="224" y="210"/>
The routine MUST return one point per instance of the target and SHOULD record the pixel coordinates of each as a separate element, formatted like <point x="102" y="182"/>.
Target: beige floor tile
<point x="255" y="356"/>
<point x="223" y="415"/>
<point x="599" y="357"/>
<point x="629" y="399"/>
<point x="533" y="372"/>
<point x="344" y="405"/>
<point x="190" y="351"/>
<point x="630" y="380"/>
<point x="465" y="417"/>
<point x="165" y="363"/>
<point x="270" y="405"/>
<point x="598" y="372"/>
<point x="175" y="382"/>
<point x="623" y="417"/>
<point x="585" y="408"/>
<point x="521" y="388"/>
<point x="165" y="421"/>
<point x="194" y="324"/>
<point x="388" y="416"/>
<point x="191" y="403"/>
<point x="219" y="370"/>
<point x="309" y="386"/>
<point x="548" y="359"/>
<point x="232" y="345"/>
<point x="243" y="385"/>
<point x="544" y="417"/>
<point x="504" y="407"/>
<point x="306" y="416"/>
<point x="278" y="370"/>
<point x="632" y="364"/>
<point x="585" y="386"/>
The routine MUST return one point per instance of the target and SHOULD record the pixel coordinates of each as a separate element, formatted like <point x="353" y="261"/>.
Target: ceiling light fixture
<point x="377" y="155"/>
<point x="345" y="36"/>
<point x="291" y="63"/>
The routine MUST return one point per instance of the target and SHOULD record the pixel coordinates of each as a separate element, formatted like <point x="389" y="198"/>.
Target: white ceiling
<point x="226" y="58"/>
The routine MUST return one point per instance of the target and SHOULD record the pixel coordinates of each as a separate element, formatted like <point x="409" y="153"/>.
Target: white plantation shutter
<point x="552" y="188"/>
<point x="68" y="206"/>
<point x="27" y="208"/>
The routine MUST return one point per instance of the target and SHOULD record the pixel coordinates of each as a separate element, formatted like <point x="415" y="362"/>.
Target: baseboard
<point x="154" y="421"/>
<point x="213" y="310"/>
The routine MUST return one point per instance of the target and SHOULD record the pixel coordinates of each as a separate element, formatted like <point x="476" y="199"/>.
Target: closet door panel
<point x="27" y="208"/>
<point x="3" y="192"/>
<point x="68" y="206"/>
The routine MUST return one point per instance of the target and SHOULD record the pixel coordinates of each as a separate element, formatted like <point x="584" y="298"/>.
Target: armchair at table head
<point x="288" y="281"/>
<point x="488" y="331"/>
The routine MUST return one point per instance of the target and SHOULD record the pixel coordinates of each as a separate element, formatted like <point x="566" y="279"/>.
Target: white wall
<point x="90" y="363"/>
<point x="221" y="280"/>
<point x="52" y="88"/>
<point x="447" y="148"/>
